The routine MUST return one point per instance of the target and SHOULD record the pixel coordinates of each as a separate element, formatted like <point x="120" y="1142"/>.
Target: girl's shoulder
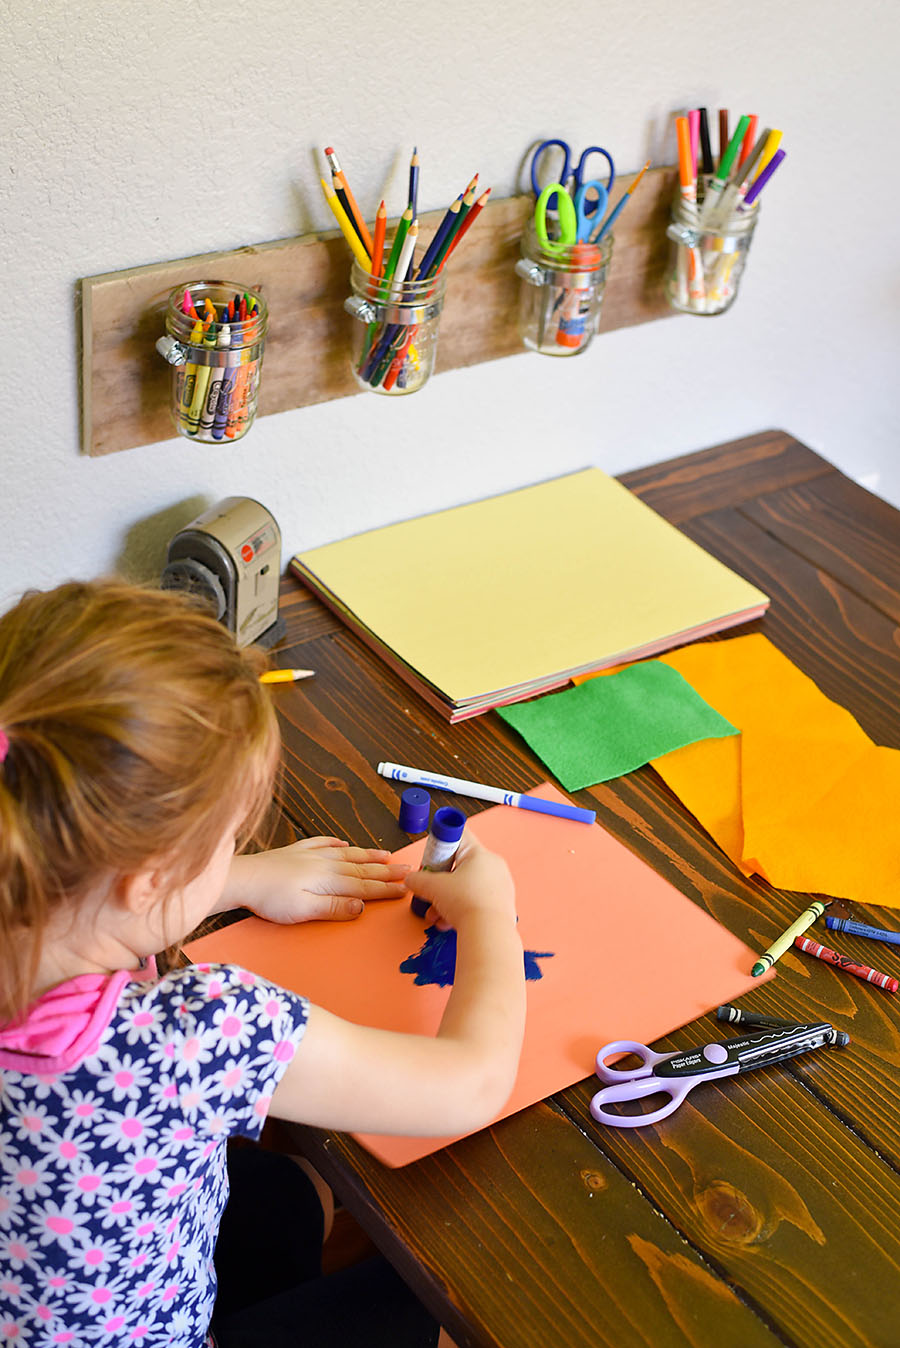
<point x="209" y="995"/>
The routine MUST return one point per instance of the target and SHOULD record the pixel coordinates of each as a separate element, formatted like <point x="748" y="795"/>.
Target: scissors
<point x="577" y="173"/>
<point x="674" y="1074"/>
<point x="574" y="224"/>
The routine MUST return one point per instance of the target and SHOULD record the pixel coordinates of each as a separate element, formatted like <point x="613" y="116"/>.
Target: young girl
<point x="137" y="750"/>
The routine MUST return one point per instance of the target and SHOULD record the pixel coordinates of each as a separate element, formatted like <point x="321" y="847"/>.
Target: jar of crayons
<point x="394" y="340"/>
<point x="561" y="292"/>
<point x="706" y="258"/>
<point x="215" y="338"/>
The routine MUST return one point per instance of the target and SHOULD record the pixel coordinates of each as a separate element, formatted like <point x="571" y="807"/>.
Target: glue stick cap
<point x="415" y="807"/>
<point x="448" y="824"/>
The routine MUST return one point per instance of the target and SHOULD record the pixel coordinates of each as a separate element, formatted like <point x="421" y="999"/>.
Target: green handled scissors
<point x="574" y="224"/>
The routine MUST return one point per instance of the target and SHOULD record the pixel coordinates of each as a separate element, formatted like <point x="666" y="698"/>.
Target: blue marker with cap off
<point x="441" y="846"/>
<point x="460" y="787"/>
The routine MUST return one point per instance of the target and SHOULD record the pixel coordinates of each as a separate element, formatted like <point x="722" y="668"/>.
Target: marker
<point x="460" y="787"/>
<point x="860" y="929"/>
<point x="441" y="846"/>
<point x="705" y="146"/>
<point x="821" y="952"/>
<point x="285" y="675"/>
<point x="759" y="182"/>
<point x="717" y="183"/>
<point x="785" y="940"/>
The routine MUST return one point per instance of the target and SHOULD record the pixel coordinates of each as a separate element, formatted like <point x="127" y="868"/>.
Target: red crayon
<point x="821" y="952"/>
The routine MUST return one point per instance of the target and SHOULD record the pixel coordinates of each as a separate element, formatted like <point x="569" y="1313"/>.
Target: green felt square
<point x="614" y="724"/>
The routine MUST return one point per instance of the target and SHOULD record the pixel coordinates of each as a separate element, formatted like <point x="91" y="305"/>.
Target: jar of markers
<point x="215" y="340"/>
<point x="706" y="261"/>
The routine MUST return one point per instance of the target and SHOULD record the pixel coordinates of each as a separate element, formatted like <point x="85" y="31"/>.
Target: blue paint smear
<point x="436" y="961"/>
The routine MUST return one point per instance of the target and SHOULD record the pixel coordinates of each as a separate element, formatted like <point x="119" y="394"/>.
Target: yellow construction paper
<point x="805" y="798"/>
<point x="533" y="585"/>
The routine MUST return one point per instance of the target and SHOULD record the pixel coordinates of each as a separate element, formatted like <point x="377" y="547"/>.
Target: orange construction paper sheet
<point x="632" y="957"/>
<point x="803" y="796"/>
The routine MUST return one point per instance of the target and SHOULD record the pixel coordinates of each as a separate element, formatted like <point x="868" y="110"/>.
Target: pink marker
<point x="694" y="128"/>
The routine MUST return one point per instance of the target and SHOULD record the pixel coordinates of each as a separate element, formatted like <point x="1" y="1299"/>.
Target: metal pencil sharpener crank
<point x="230" y="556"/>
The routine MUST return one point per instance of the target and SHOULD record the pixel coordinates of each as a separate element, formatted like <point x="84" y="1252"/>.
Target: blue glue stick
<point x="441" y="846"/>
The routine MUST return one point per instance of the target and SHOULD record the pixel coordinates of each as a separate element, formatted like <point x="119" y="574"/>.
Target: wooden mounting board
<point x="125" y="382"/>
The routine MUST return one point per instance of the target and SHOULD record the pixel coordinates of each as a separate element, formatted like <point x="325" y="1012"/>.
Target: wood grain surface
<point x="766" y="1210"/>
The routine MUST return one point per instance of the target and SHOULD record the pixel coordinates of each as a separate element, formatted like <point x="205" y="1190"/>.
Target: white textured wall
<point x="142" y="131"/>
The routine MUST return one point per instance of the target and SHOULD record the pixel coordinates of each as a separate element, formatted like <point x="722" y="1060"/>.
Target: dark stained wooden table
<point x="766" y="1211"/>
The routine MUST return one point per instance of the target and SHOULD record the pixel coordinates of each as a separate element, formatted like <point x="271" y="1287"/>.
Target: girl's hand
<point x="312" y="879"/>
<point x="479" y="882"/>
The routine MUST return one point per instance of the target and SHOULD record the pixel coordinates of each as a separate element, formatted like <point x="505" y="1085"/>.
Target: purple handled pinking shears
<point x="674" y="1074"/>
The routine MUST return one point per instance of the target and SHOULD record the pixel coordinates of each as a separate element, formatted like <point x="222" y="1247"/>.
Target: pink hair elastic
<point x="4" y="745"/>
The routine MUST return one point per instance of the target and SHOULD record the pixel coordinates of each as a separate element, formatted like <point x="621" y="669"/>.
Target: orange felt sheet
<point x="633" y="957"/>
<point x="803" y="796"/>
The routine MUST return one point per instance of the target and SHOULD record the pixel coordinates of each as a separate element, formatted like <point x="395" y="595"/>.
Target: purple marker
<point x="441" y="846"/>
<point x="759" y="183"/>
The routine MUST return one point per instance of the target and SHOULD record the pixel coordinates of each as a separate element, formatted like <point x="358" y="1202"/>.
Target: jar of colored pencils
<point x="561" y="293"/>
<point x="395" y="332"/>
<point x="214" y="342"/>
<point x="706" y="257"/>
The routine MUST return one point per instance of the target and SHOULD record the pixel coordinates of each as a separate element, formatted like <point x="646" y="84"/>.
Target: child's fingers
<point x="355" y="855"/>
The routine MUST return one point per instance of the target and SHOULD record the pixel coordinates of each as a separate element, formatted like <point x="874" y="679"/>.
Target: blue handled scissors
<point x="577" y="173"/>
<point x="674" y="1074"/>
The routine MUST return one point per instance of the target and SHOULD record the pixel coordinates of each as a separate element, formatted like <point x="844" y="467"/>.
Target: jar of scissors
<point x="566" y="249"/>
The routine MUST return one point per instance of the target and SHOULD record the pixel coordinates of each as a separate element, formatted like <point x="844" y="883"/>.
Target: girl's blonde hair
<point x="137" y="731"/>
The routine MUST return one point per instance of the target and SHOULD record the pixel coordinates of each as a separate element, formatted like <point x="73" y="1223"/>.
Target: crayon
<point x="821" y="952"/>
<point x="861" y="929"/>
<point x="784" y="941"/>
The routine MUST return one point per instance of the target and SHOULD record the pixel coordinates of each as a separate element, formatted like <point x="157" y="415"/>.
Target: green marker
<point x="717" y="186"/>
<point x="786" y="940"/>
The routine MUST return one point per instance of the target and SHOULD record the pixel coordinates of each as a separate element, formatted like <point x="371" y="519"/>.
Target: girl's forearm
<point x="486" y="1008"/>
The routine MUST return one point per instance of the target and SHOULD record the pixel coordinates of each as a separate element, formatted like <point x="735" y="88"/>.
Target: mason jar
<point x="706" y="262"/>
<point x="395" y="332"/>
<point x="561" y="293"/>
<point x="214" y="342"/>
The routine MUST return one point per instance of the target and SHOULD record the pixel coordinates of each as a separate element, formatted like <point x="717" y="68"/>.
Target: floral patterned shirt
<point x="112" y="1167"/>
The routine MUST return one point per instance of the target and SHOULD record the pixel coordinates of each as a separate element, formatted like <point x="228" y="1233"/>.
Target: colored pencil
<point x="285" y="675"/>
<point x="620" y="205"/>
<point x="403" y="225"/>
<point x="349" y="233"/>
<point x="378" y="241"/>
<point x="477" y="208"/>
<point x="354" y="214"/>
<point x="413" y="195"/>
<point x="441" y="232"/>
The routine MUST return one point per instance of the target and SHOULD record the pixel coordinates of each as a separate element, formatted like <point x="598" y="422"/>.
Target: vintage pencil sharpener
<point x="231" y="557"/>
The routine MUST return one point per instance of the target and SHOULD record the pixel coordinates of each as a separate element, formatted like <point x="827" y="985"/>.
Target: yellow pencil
<point x="347" y="229"/>
<point x="285" y="675"/>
